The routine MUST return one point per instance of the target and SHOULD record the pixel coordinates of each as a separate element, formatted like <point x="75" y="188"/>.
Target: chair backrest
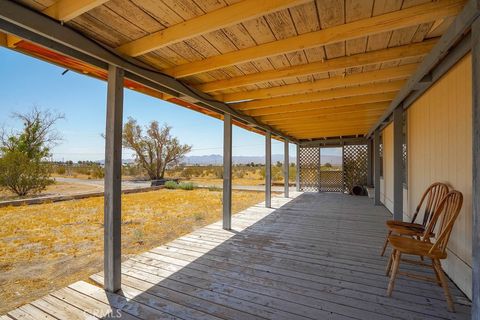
<point x="432" y="198"/>
<point x="445" y="216"/>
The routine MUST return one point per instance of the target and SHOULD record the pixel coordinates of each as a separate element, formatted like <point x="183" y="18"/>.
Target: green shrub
<point x="186" y="186"/>
<point x="214" y="188"/>
<point x="171" y="185"/>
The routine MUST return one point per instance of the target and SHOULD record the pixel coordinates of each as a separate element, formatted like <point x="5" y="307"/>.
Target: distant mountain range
<point x="216" y="159"/>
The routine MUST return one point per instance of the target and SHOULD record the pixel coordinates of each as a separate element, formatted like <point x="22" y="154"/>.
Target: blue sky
<point x="27" y="82"/>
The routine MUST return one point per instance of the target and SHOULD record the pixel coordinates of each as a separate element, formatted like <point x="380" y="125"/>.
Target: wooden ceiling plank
<point x="341" y="116"/>
<point x="337" y="111"/>
<point x="322" y="95"/>
<point x="321" y="105"/>
<point x="401" y="72"/>
<point x="327" y="122"/>
<point x="390" y="21"/>
<point x="217" y="19"/>
<point x="66" y="10"/>
<point x="373" y="57"/>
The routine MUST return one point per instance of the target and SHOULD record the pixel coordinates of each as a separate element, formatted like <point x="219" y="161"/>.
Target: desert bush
<point x="171" y="185"/>
<point x="23" y="175"/>
<point x="214" y="188"/>
<point x="186" y="186"/>
<point x="97" y="172"/>
<point x="60" y="170"/>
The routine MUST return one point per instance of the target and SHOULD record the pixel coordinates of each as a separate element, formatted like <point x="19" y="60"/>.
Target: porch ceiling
<point x="308" y="69"/>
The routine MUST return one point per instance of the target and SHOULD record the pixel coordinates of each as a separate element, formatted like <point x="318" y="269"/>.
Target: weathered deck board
<point x="312" y="257"/>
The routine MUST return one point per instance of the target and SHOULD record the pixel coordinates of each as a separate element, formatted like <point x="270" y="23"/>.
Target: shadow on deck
<point x="313" y="257"/>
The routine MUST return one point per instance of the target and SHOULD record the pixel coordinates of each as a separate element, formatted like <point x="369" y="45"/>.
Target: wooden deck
<point x="313" y="257"/>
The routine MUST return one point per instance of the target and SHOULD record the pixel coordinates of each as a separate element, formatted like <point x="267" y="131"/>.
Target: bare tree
<point x="38" y="135"/>
<point x="154" y="150"/>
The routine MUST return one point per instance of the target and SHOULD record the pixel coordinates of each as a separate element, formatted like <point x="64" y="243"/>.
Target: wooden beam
<point x="339" y="118"/>
<point x="393" y="86"/>
<point x="227" y="172"/>
<point x="334" y="110"/>
<point x="329" y="133"/>
<point x="394" y="73"/>
<point x="340" y="131"/>
<point x="268" y="169"/>
<point x="369" y="163"/>
<point x="361" y="28"/>
<point x="3" y="39"/>
<point x="398" y="164"/>
<point x="66" y="10"/>
<point x="334" y="64"/>
<point x="297" y="166"/>
<point x="211" y="21"/>
<point x="444" y="53"/>
<point x="331" y="124"/>
<point x="321" y="105"/>
<point x="376" y="167"/>
<point x="113" y="180"/>
<point x="286" y="169"/>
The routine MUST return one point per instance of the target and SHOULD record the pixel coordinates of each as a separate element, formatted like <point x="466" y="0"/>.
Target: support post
<point x="376" y="166"/>
<point x="286" y="168"/>
<point x="369" y="162"/>
<point x="113" y="183"/>
<point x="476" y="169"/>
<point x="268" y="169"/>
<point x="297" y="174"/>
<point x="398" y="164"/>
<point x="227" y="172"/>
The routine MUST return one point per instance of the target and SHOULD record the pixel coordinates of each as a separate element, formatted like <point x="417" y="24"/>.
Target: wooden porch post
<point x="113" y="174"/>
<point x="297" y="174"/>
<point x="227" y="172"/>
<point x="476" y="169"/>
<point x="376" y="167"/>
<point x="398" y="164"/>
<point x="268" y="169"/>
<point x="286" y="168"/>
<point x="369" y="162"/>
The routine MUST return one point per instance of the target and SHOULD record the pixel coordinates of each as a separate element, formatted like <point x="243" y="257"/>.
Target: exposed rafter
<point x="374" y="57"/>
<point x="394" y="73"/>
<point x="65" y="10"/>
<point x="382" y="23"/>
<point x="322" y="95"/>
<point x="287" y="110"/>
<point x="341" y="113"/>
<point x="220" y="18"/>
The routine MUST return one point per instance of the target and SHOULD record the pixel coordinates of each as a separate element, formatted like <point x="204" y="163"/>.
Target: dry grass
<point x="58" y="188"/>
<point x="48" y="246"/>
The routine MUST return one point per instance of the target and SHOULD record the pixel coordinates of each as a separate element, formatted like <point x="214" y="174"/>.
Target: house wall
<point x="439" y="143"/>
<point x="387" y="195"/>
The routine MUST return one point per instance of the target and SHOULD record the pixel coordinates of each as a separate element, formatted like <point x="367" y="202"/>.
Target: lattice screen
<point x="331" y="181"/>
<point x="355" y="159"/>
<point x="309" y="165"/>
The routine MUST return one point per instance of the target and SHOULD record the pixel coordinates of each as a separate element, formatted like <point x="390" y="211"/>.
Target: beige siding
<point x="439" y="148"/>
<point x="387" y="196"/>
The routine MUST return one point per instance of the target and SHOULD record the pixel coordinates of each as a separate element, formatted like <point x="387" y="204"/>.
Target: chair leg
<point x="389" y="264"/>
<point x="444" y="283"/>
<point x="439" y="282"/>
<point x="396" y="264"/>
<point x="385" y="244"/>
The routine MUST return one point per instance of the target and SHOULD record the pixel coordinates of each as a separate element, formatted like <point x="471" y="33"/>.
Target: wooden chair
<point x="433" y="196"/>
<point x="445" y="216"/>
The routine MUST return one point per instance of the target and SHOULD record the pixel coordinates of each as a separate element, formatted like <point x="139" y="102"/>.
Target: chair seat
<point x="405" y="228"/>
<point x="415" y="247"/>
<point x="394" y="223"/>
